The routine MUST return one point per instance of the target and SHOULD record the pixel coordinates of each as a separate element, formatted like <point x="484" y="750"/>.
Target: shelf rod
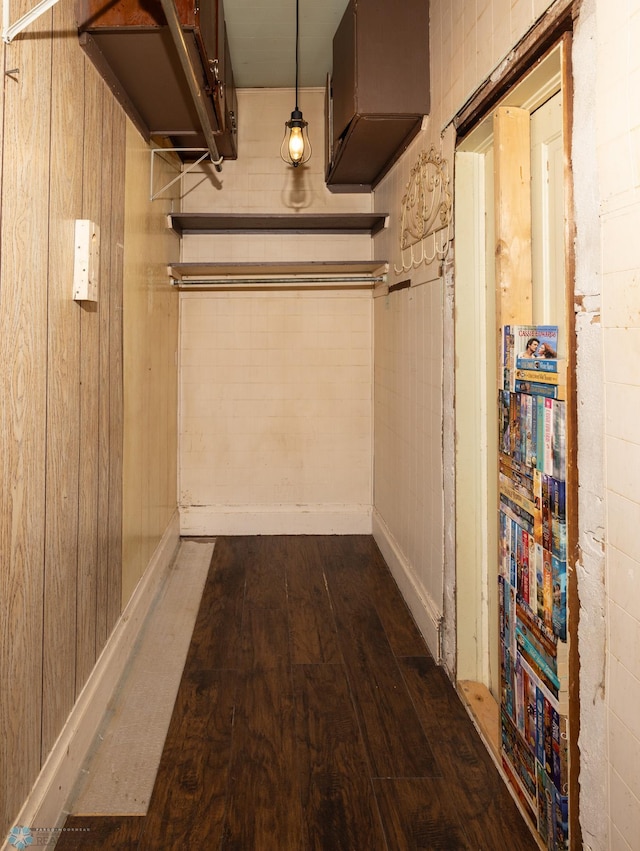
<point x="291" y="280"/>
<point x="173" y="21"/>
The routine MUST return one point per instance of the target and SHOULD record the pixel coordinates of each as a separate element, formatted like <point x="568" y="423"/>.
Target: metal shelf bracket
<point x="10" y="31"/>
<point x="153" y="196"/>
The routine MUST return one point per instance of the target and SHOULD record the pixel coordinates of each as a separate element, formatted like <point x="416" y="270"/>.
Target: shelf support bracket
<point x="153" y="196"/>
<point x="10" y="31"/>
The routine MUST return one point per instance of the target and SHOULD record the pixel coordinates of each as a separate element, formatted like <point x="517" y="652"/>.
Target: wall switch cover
<point x="86" y="261"/>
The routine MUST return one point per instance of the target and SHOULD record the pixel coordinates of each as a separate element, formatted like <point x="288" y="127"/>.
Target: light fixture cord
<point x="297" y="40"/>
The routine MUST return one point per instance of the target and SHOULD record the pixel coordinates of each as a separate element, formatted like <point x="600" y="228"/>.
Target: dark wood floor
<point x="310" y="715"/>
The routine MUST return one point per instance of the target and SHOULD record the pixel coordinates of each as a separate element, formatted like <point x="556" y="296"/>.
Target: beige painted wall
<point x="618" y="158"/>
<point x="258" y="181"/>
<point x="275" y="412"/>
<point x="150" y="362"/>
<point x="408" y="484"/>
<point x="275" y="398"/>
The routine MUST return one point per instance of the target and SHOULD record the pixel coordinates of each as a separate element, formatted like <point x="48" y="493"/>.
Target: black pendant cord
<point x="297" y="39"/>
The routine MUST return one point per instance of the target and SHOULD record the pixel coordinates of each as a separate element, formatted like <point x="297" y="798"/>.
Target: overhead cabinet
<point x="378" y="92"/>
<point x="132" y="47"/>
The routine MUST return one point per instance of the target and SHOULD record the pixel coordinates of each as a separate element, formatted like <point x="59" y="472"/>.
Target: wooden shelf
<point x="296" y="273"/>
<point x="315" y="273"/>
<point x="320" y="223"/>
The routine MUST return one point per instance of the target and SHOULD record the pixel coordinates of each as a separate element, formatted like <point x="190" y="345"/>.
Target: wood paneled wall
<point x="61" y="424"/>
<point x="150" y="361"/>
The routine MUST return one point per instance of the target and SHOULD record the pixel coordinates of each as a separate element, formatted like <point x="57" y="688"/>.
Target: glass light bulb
<point x="296" y="144"/>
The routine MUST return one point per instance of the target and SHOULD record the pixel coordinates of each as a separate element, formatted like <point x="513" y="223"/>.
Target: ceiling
<point x="262" y="35"/>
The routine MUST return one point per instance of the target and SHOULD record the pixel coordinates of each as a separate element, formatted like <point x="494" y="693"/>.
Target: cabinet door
<point x="344" y="72"/>
<point x="227" y="138"/>
<point x="380" y="61"/>
<point x="210" y="38"/>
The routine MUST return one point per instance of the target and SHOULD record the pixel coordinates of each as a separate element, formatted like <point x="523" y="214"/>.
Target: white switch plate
<point x="86" y="260"/>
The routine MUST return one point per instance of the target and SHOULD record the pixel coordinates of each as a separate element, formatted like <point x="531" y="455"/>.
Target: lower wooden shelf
<point x="314" y="273"/>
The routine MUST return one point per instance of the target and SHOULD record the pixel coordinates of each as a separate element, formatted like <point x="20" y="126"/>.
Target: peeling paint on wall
<point x="448" y="629"/>
<point x="593" y="803"/>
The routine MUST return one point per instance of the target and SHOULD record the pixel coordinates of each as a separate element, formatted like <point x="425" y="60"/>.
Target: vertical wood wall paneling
<point x="4" y="67"/>
<point x="90" y="381"/>
<point x="136" y="401"/>
<point x="104" y="383"/>
<point x="23" y="355"/>
<point x="63" y="383"/>
<point x="513" y="216"/>
<point x="166" y="370"/>
<point x="113" y="596"/>
<point x="149" y="345"/>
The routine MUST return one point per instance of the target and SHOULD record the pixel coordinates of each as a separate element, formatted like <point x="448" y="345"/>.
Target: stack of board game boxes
<point x="532" y="576"/>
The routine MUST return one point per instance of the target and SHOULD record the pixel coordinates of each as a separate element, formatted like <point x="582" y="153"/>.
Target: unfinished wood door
<point x="547" y="222"/>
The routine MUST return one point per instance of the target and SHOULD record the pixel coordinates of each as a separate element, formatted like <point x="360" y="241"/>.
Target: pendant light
<point x="296" y="148"/>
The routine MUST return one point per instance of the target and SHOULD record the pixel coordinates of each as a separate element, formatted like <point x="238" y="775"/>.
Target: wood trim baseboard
<point x="215" y="520"/>
<point x="45" y="806"/>
<point x="424" y="610"/>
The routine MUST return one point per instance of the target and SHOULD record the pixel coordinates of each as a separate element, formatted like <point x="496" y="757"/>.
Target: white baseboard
<point x="425" y="612"/>
<point x="45" y="806"/>
<point x="276" y="520"/>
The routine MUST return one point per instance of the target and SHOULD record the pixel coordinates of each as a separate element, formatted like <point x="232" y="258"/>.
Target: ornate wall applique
<point x="425" y="227"/>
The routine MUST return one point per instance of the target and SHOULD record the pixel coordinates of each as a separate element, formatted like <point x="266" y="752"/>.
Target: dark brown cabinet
<point x="378" y="90"/>
<point x="131" y="45"/>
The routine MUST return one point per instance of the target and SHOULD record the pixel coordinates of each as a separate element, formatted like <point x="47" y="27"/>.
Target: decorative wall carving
<point x="425" y="229"/>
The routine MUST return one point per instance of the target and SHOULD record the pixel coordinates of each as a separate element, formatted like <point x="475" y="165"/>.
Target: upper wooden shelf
<point x="321" y="223"/>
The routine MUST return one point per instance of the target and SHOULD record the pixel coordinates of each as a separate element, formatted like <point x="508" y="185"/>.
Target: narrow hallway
<point x="310" y="715"/>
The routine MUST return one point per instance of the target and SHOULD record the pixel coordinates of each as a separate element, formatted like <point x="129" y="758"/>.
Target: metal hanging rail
<point x="173" y="21"/>
<point x="316" y="281"/>
<point x="284" y="279"/>
<point x="10" y="31"/>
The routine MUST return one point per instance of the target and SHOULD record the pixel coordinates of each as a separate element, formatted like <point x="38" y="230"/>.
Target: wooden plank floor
<point x="311" y="717"/>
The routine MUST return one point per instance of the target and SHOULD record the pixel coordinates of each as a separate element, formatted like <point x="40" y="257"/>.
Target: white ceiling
<point x="262" y="35"/>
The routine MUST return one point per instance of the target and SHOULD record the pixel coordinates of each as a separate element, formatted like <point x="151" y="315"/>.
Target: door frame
<point x="528" y="82"/>
<point x="476" y="382"/>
